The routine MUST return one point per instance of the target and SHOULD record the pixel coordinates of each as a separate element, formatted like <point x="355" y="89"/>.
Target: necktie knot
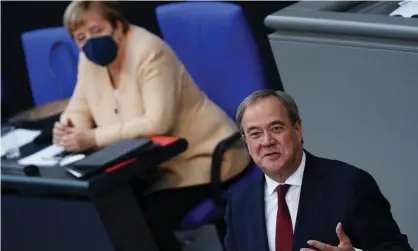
<point x="282" y="190"/>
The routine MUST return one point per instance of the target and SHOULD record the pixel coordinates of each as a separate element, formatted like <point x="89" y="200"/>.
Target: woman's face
<point x="95" y="26"/>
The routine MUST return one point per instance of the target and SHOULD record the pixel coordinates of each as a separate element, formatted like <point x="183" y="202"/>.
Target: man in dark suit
<point x="300" y="201"/>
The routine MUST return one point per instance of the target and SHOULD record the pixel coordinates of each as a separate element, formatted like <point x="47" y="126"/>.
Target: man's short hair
<point x="287" y="101"/>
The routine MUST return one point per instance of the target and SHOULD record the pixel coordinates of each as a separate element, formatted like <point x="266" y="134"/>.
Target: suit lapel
<point x="257" y="227"/>
<point x="311" y="198"/>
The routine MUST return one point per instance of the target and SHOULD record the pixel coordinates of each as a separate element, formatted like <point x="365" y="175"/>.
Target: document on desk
<point x="406" y="9"/>
<point x="44" y="157"/>
<point x="21" y="136"/>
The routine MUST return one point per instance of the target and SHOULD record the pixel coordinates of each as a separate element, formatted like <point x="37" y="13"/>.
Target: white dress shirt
<point x="292" y="200"/>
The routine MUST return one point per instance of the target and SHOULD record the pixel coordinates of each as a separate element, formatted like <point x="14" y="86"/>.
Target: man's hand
<point x="345" y="243"/>
<point x="78" y="140"/>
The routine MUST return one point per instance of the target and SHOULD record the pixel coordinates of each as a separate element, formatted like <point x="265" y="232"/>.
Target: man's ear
<point x="299" y="130"/>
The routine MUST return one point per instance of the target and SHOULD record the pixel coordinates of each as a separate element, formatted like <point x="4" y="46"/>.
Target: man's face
<point x="273" y="141"/>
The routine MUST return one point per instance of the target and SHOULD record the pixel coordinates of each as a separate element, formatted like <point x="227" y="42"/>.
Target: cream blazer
<point x="157" y="96"/>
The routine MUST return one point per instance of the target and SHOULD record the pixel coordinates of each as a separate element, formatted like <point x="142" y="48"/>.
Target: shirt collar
<point x="294" y="180"/>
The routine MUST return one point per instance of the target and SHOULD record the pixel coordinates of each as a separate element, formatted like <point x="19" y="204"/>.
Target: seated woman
<point x="131" y="84"/>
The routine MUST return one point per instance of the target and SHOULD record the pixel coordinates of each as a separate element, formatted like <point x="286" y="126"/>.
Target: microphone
<point x="31" y="170"/>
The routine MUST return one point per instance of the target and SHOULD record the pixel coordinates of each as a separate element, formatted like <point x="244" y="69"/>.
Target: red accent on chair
<point x="163" y="140"/>
<point x="124" y="163"/>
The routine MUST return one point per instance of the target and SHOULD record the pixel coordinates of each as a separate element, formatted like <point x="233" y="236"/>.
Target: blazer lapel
<point x="257" y="236"/>
<point x="311" y="198"/>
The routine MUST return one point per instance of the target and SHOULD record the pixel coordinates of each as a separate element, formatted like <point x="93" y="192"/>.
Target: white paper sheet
<point x="44" y="157"/>
<point x="71" y="159"/>
<point x="23" y="137"/>
<point x="406" y="9"/>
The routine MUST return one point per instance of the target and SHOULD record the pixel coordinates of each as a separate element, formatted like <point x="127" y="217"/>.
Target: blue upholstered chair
<point x="51" y="60"/>
<point x="215" y="43"/>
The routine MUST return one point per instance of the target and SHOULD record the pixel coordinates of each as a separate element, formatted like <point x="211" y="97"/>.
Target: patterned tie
<point x="284" y="230"/>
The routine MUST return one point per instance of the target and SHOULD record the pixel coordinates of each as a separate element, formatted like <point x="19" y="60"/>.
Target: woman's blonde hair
<point x="108" y="10"/>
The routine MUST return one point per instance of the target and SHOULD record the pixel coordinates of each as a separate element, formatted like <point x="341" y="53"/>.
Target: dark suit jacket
<point x="332" y="192"/>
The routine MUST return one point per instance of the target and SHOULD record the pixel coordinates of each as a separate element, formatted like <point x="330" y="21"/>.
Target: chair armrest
<point x="217" y="157"/>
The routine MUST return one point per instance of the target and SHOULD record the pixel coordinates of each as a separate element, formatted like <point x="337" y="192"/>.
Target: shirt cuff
<point x="356" y="249"/>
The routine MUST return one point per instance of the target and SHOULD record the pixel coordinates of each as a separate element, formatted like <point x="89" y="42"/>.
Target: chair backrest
<point x="215" y="43"/>
<point x="51" y="60"/>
